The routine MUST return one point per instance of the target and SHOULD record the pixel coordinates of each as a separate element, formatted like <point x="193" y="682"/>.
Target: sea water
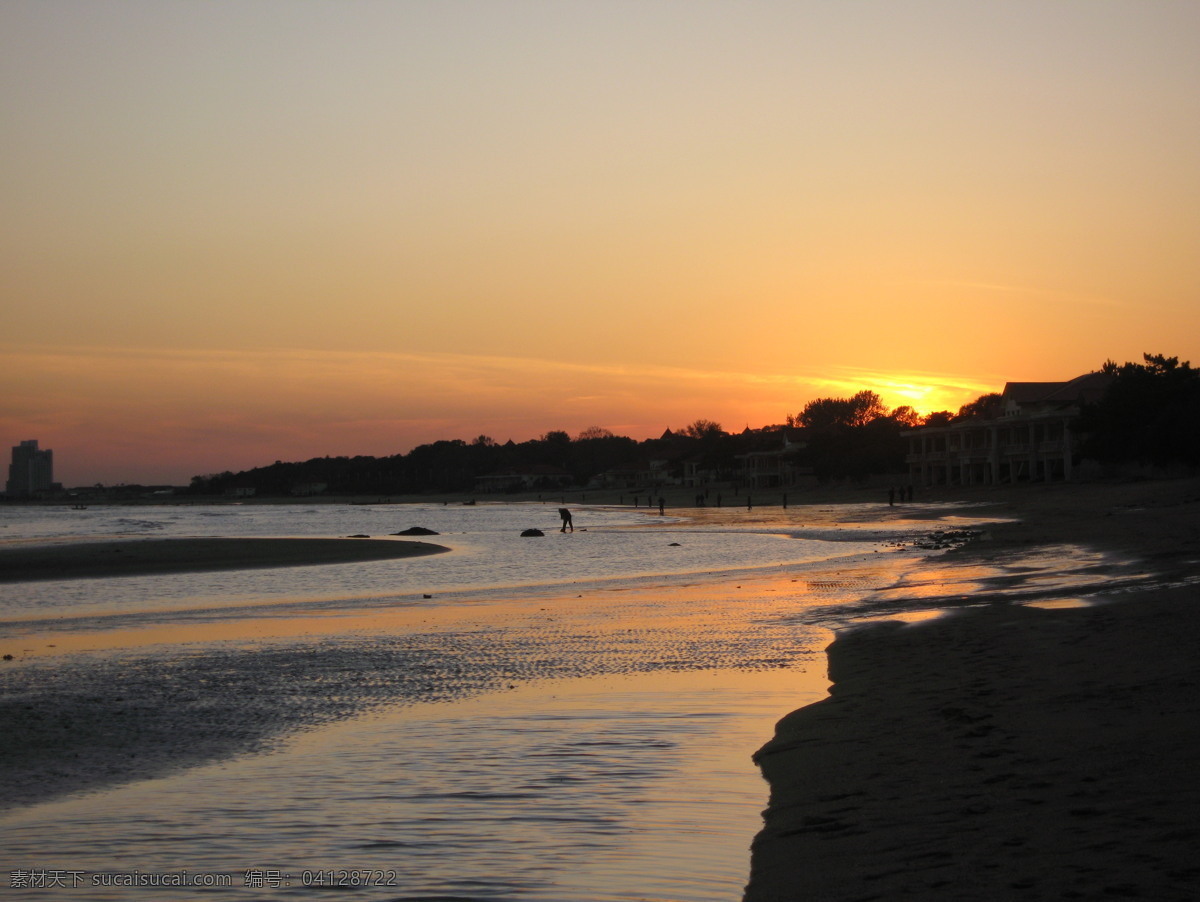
<point x="489" y="556"/>
<point x="515" y="719"/>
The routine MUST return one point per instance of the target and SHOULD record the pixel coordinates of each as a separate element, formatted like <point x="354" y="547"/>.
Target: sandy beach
<point x="1001" y="751"/>
<point x="136" y="557"/>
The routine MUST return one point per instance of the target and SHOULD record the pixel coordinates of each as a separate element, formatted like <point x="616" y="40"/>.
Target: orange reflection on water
<point x="905" y="616"/>
<point x="701" y="605"/>
<point x="939" y="582"/>
<point x="1054" y="604"/>
<point x="407" y="619"/>
<point x="664" y="755"/>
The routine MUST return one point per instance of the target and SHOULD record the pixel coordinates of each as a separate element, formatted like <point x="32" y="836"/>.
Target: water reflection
<point x="646" y="774"/>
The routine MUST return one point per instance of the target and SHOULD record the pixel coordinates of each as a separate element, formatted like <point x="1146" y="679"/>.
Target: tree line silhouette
<point x="1149" y="415"/>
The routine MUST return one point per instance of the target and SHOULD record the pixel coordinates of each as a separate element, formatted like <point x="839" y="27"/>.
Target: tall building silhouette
<point x="31" y="471"/>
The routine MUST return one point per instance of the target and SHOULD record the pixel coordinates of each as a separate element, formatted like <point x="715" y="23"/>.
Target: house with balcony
<point x="775" y="466"/>
<point x="1030" y="439"/>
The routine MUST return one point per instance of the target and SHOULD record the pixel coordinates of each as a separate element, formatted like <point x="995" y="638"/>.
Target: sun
<point x="924" y="395"/>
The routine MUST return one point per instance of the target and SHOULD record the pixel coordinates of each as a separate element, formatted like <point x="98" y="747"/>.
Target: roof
<point x="1086" y="388"/>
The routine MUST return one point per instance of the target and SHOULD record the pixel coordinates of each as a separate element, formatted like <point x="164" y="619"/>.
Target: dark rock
<point x="416" y="531"/>
<point x="532" y="532"/>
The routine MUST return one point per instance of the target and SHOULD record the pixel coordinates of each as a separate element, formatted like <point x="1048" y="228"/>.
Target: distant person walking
<point x="566" y="518"/>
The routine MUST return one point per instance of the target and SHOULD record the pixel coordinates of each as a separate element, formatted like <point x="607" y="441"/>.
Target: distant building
<point x="524" y="479"/>
<point x="305" y="489"/>
<point x="778" y="467"/>
<point x="1031" y="439"/>
<point x="31" y="472"/>
<point x="636" y="474"/>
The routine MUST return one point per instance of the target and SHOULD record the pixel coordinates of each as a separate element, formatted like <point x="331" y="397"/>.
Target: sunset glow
<point x="248" y="232"/>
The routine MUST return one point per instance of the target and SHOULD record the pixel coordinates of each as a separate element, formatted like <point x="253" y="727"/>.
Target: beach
<point x="1020" y="744"/>
<point x="1037" y="751"/>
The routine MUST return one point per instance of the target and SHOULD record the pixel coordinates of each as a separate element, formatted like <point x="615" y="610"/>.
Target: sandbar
<point x="137" y="557"/>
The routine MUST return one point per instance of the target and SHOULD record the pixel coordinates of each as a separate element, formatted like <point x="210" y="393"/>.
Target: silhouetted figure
<point x="892" y="496"/>
<point x="661" y="505"/>
<point x="566" y="518"/>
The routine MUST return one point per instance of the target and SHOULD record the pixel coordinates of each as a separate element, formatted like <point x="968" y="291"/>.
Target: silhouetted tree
<point x="594" y="432"/>
<point x="852" y="437"/>
<point x="1149" y="414"/>
<point x="702" y="429"/>
<point x="907" y="418"/>
<point x="983" y="407"/>
<point x="857" y="410"/>
<point x="599" y="452"/>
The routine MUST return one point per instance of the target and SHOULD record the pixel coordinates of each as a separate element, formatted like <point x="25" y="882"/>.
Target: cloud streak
<point x="132" y="414"/>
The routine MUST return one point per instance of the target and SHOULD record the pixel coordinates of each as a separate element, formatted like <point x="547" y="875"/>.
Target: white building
<point x="1031" y="440"/>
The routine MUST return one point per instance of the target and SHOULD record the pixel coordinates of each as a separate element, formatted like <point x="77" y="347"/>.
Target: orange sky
<point x="236" y="233"/>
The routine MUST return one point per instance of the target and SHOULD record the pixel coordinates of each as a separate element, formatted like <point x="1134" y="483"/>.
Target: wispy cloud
<point x="196" y="410"/>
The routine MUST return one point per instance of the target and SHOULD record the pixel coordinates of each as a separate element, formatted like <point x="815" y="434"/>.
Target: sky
<point x="235" y="233"/>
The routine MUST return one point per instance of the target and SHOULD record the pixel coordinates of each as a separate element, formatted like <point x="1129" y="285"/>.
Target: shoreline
<point x="1003" y="750"/>
<point x="1162" y="517"/>
<point x="140" y="557"/>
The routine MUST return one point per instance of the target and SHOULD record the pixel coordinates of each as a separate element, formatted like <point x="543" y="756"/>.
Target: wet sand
<point x="102" y="708"/>
<point x="136" y="557"/>
<point x="1002" y="751"/>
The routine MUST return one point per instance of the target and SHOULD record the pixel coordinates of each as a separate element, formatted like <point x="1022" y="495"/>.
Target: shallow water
<point x="605" y="789"/>
<point x="488" y="555"/>
<point x="568" y="718"/>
